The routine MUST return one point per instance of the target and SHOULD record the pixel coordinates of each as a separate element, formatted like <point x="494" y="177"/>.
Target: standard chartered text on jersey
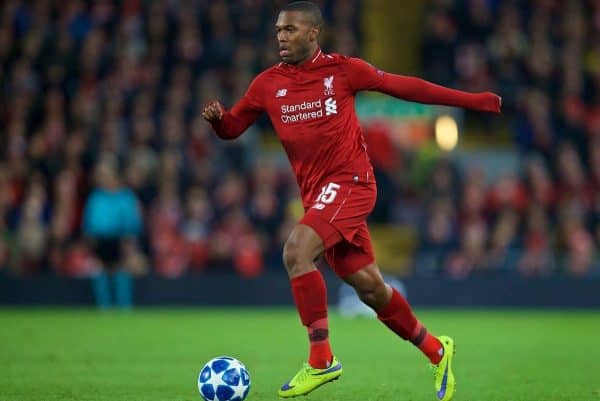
<point x="316" y="105"/>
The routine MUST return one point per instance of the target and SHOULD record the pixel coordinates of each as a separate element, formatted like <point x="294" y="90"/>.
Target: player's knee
<point x="289" y="255"/>
<point x="369" y="297"/>
<point x="292" y="258"/>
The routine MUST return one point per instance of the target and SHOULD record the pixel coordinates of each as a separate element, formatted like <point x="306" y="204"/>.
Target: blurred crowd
<point x="543" y="57"/>
<point x="106" y="161"/>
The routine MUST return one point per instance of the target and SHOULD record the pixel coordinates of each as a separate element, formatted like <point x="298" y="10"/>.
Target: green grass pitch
<point x="155" y="354"/>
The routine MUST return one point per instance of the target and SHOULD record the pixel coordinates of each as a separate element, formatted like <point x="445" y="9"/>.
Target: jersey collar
<point x="307" y="64"/>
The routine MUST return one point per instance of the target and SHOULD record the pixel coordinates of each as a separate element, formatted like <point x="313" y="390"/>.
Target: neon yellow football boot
<point x="308" y="378"/>
<point x="442" y="372"/>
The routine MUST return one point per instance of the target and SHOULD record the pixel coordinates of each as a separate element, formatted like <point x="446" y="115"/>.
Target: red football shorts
<point x="338" y="215"/>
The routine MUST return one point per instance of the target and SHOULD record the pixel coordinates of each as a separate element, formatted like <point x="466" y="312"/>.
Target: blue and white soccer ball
<point x="224" y="379"/>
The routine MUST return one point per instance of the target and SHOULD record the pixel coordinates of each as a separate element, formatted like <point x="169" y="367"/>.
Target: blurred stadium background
<point x="100" y="132"/>
<point x="103" y="97"/>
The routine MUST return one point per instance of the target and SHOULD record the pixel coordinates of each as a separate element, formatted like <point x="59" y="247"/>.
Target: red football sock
<point x="320" y="350"/>
<point x="310" y="296"/>
<point x="398" y="317"/>
<point x="429" y="345"/>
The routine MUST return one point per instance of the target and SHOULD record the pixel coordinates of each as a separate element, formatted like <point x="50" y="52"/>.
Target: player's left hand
<point x="499" y="103"/>
<point x="491" y="102"/>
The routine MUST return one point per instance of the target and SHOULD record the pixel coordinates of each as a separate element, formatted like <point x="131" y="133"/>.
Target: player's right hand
<point x="213" y="111"/>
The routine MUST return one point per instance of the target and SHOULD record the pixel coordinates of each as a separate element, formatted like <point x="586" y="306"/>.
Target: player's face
<point x="296" y="36"/>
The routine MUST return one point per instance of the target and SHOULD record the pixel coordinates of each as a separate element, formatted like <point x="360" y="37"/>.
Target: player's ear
<point x="314" y="32"/>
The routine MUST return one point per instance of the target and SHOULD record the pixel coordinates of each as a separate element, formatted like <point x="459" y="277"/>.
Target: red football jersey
<point x="311" y="107"/>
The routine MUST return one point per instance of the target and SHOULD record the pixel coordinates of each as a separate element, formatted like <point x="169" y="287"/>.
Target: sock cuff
<point x="392" y="307"/>
<point x="322" y="323"/>
<point x="307" y="279"/>
<point x="418" y="335"/>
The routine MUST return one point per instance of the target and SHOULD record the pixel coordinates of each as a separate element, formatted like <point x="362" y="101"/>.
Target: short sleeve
<point x="362" y="75"/>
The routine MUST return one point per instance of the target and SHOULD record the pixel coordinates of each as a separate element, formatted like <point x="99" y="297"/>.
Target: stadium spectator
<point x="537" y="258"/>
<point x="196" y="227"/>
<point x="31" y="231"/>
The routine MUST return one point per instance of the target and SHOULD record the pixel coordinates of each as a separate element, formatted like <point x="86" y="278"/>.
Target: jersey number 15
<point x="328" y="193"/>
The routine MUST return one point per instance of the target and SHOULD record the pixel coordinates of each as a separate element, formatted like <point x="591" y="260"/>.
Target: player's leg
<point x="301" y="249"/>
<point x="310" y="295"/>
<point x="309" y="290"/>
<point x="392" y="308"/>
<point x="321" y="228"/>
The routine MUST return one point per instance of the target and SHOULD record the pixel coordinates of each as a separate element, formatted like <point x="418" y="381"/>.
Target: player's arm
<point x="231" y="124"/>
<point x="364" y="76"/>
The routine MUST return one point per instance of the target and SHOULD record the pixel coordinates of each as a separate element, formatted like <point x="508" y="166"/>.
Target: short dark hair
<point x="309" y="8"/>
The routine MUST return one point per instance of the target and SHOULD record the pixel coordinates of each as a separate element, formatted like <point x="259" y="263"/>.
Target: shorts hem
<point x="325" y="230"/>
<point x="350" y="269"/>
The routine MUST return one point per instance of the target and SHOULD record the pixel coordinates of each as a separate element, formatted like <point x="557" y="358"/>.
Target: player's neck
<point x="311" y="57"/>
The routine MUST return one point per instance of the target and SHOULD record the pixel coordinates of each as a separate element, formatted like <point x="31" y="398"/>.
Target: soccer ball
<point x="224" y="379"/>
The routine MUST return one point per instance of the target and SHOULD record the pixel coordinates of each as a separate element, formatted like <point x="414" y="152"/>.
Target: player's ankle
<point x="320" y="362"/>
<point x="432" y="348"/>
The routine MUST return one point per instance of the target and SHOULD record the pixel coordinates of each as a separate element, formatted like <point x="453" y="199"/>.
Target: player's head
<point x="298" y="27"/>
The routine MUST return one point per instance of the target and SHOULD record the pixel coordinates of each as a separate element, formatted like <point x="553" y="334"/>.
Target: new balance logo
<point x="330" y="106"/>
<point x="281" y="93"/>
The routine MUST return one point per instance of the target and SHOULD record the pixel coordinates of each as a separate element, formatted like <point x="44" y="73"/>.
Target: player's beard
<point x="299" y="56"/>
